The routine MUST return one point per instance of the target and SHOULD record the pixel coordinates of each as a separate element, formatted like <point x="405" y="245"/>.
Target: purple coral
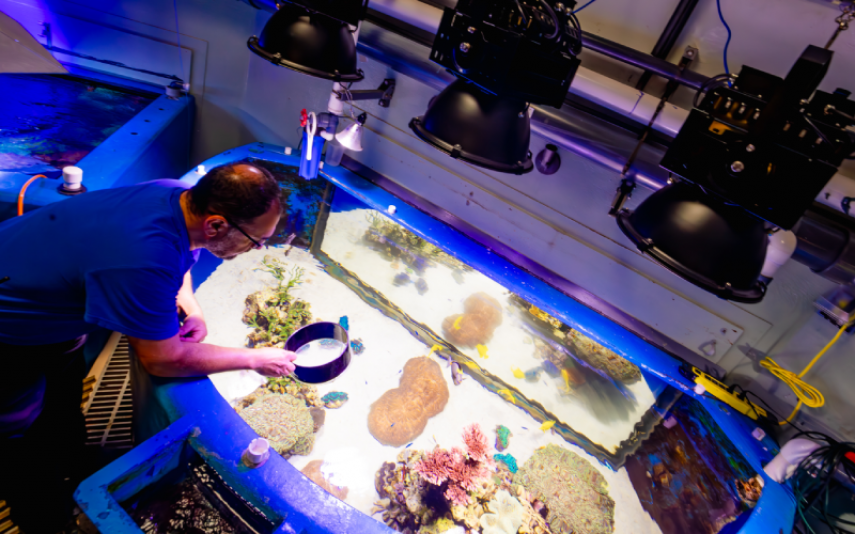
<point x="458" y="470"/>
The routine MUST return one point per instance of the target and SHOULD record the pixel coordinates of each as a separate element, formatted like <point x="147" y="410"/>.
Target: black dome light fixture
<point x="507" y="55"/>
<point x="313" y="38"/>
<point x="486" y="130"/>
<point x="718" y="247"/>
<point x="751" y="157"/>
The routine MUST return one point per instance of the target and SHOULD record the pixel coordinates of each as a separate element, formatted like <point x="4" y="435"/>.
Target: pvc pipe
<point x="73" y="177"/>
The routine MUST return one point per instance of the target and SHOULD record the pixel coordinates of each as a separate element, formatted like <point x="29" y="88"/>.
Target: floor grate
<point x="109" y="415"/>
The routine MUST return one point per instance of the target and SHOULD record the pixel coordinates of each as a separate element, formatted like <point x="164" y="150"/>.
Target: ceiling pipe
<point x="669" y="36"/>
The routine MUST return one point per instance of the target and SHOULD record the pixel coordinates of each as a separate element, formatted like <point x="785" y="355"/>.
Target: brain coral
<point x="481" y="315"/>
<point x="573" y="491"/>
<point x="284" y="421"/>
<point x="401" y="414"/>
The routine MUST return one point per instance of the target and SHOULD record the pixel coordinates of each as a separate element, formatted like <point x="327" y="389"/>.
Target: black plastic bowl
<point x="329" y="370"/>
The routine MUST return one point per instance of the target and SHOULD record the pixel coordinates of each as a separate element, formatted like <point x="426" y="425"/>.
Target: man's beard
<point x="225" y="248"/>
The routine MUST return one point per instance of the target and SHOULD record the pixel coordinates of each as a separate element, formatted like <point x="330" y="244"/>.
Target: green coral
<point x="503" y="435"/>
<point x="574" y="491"/>
<point x="274" y="313"/>
<point x="284" y="421"/>
<point x="508" y="460"/>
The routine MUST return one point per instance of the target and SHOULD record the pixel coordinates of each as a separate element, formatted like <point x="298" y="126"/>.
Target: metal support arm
<point x="383" y="93"/>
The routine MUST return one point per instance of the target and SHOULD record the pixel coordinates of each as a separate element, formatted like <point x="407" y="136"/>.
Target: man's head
<point x="236" y="206"/>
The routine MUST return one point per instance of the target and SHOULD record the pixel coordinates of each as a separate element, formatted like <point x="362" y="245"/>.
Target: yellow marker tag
<point x="517" y="372"/>
<point x="482" y="351"/>
<point x="547" y="425"/>
<point x="433" y="349"/>
<point x="456" y="324"/>
<point x="506" y="393"/>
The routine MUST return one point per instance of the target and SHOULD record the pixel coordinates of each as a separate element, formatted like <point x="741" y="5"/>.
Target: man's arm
<point x="174" y="358"/>
<point x="194" y="329"/>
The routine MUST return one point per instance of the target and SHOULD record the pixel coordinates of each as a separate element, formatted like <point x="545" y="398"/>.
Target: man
<point x="117" y="259"/>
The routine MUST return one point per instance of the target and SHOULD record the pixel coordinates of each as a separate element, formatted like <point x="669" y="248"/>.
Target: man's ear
<point x="215" y="225"/>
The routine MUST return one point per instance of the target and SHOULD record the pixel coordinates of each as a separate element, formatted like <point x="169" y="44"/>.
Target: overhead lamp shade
<point x="310" y="43"/>
<point x="351" y="137"/>
<point x="481" y="128"/>
<point x="718" y="247"/>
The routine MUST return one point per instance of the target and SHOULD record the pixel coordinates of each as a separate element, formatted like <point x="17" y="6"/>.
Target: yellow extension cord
<point x="807" y="394"/>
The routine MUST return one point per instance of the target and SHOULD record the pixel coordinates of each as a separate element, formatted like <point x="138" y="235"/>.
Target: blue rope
<point x="583" y="7"/>
<point x="727" y="44"/>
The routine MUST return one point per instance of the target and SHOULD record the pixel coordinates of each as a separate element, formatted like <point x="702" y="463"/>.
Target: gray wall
<point x="559" y="220"/>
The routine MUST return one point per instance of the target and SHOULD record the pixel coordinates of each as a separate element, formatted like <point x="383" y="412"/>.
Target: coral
<point x="458" y="471"/>
<point x="357" y="346"/>
<point x="397" y="243"/>
<point x="334" y="399"/>
<point x="503" y="437"/>
<point x="482" y="314"/>
<point x="440" y="526"/>
<point x="290" y="385"/>
<point x="313" y="471"/>
<point x="505" y="515"/>
<point x="573" y="491"/>
<point x="509" y="461"/>
<point x="274" y="313"/>
<point x="476" y="443"/>
<point x="404" y="494"/>
<point x="284" y="421"/>
<point x="401" y="414"/>
<point x="601" y="358"/>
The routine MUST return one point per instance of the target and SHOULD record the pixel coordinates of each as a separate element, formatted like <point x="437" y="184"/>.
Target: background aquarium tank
<point x="118" y="131"/>
<point x="466" y="408"/>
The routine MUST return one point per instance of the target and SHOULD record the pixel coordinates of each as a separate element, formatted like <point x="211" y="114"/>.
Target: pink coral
<point x="436" y="466"/>
<point x="457" y="495"/>
<point x="476" y="442"/>
<point x="458" y="470"/>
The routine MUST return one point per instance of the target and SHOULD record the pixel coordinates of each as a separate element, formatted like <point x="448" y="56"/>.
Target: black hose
<point x="554" y="20"/>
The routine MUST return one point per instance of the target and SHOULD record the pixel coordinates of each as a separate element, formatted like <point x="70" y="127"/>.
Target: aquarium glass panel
<point x="464" y="407"/>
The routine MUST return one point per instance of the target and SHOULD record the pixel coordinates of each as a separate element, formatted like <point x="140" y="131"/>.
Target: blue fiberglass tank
<point x="479" y="398"/>
<point x="118" y="134"/>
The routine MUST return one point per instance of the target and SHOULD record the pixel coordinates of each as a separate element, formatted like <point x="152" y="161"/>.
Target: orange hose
<point x="24" y="190"/>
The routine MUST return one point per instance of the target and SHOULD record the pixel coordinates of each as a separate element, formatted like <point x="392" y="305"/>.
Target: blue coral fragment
<point x="357" y="346"/>
<point x="508" y="460"/>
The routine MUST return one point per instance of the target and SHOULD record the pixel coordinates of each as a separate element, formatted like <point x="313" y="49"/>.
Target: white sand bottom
<point x="350" y="452"/>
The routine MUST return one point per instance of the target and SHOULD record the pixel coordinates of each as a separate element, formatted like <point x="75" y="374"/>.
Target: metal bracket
<point x="383" y="93"/>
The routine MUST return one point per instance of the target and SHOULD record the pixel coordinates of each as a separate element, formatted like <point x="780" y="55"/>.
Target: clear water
<point x="318" y="352"/>
<point x="520" y="369"/>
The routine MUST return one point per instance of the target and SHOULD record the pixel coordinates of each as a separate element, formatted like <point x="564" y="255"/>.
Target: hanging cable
<point x="583" y="7"/>
<point x="808" y="395"/>
<point x="726" y="44"/>
<point x="24" y="190"/>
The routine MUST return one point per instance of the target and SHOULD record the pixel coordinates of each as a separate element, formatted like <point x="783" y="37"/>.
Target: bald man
<point x="117" y="259"/>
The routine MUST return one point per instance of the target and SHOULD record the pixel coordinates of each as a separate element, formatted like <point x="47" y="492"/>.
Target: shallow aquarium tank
<point x="118" y="131"/>
<point x="478" y="399"/>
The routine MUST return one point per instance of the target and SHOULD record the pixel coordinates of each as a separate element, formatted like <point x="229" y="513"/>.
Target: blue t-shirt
<point x="114" y="258"/>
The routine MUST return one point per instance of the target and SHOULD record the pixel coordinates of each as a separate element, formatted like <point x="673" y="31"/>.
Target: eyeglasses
<point x="261" y="244"/>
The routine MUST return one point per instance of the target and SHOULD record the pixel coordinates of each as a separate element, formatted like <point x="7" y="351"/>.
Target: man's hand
<point x="273" y="362"/>
<point x="194" y="329"/>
